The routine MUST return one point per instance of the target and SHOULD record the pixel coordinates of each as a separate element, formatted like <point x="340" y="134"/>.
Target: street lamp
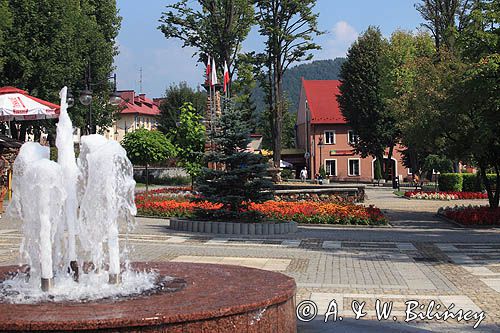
<point x="86" y="97"/>
<point x="70" y="99"/>
<point x="320" y="144"/>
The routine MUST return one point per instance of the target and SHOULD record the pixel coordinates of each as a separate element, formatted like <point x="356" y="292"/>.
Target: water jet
<point x="74" y="276"/>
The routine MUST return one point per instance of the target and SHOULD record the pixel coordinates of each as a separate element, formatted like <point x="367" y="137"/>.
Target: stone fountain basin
<point x="216" y="298"/>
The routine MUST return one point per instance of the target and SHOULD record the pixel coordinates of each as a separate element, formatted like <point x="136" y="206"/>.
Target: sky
<point x="164" y="61"/>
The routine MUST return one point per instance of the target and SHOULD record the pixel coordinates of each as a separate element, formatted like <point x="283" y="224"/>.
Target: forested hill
<point x="316" y="70"/>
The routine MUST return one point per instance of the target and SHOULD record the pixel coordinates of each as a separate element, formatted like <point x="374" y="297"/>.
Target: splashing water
<point x="72" y="211"/>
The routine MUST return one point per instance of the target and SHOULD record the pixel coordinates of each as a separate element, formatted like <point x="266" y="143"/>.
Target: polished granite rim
<point x="212" y="292"/>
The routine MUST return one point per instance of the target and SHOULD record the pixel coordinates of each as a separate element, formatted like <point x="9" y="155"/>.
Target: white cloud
<point x="343" y="36"/>
<point x="344" y="32"/>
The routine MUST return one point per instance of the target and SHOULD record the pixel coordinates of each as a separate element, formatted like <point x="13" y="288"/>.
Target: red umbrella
<point x="17" y="104"/>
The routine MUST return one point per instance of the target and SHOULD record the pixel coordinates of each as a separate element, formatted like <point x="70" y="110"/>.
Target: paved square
<point x="261" y="263"/>
<point x="419" y="258"/>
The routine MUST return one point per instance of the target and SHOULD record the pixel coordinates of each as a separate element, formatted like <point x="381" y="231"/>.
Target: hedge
<point x="471" y="182"/>
<point x="170" y="181"/>
<point x="465" y="182"/>
<point x="450" y="182"/>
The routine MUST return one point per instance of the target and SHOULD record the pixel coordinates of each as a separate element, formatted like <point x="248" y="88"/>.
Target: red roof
<point x="321" y="97"/>
<point x="139" y="104"/>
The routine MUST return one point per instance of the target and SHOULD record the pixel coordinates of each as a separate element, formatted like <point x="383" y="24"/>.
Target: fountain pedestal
<point x="216" y="298"/>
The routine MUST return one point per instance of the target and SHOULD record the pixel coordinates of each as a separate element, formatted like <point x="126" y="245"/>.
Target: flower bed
<point x="472" y="216"/>
<point x="321" y="213"/>
<point x="423" y="195"/>
<point x="301" y="212"/>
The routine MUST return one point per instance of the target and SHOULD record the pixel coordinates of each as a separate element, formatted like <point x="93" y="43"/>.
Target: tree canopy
<point x="189" y="139"/>
<point x="145" y="147"/>
<point x="175" y="98"/>
<point x="362" y="96"/>
<point x="216" y="28"/>
<point x="288" y="28"/>
<point x="50" y="44"/>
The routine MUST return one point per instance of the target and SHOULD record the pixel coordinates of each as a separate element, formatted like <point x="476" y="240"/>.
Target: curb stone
<point x="233" y="228"/>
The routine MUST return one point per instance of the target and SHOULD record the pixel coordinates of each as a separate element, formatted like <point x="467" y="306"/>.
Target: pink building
<point x="325" y="136"/>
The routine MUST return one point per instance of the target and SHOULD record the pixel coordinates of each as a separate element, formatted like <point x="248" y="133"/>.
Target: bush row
<point x="170" y="181"/>
<point x="466" y="182"/>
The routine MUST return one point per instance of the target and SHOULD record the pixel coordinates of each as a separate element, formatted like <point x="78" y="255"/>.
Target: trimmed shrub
<point x="474" y="183"/>
<point x="450" y="182"/>
<point x="471" y="182"/>
<point x="169" y="181"/>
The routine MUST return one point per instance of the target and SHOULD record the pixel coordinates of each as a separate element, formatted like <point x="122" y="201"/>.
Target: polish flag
<point x="213" y="78"/>
<point x="226" y="76"/>
<point x="208" y="69"/>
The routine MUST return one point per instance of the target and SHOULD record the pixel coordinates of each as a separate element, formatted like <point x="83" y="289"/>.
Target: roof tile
<point x="322" y="100"/>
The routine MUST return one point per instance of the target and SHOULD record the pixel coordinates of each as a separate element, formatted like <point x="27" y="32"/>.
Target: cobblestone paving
<point x="443" y="264"/>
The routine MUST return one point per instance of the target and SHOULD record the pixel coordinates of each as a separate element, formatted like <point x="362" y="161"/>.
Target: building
<point x="325" y="137"/>
<point x="136" y="111"/>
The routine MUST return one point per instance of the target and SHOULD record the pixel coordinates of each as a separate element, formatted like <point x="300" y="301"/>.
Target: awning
<point x="17" y="104"/>
<point x="285" y="164"/>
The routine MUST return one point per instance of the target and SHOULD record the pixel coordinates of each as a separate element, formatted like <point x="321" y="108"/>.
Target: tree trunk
<point x="147" y="179"/>
<point x="496" y="197"/>
<point x="278" y="115"/>
<point x="493" y="196"/>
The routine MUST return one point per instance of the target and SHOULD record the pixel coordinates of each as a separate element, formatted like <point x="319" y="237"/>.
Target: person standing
<point x="303" y="174"/>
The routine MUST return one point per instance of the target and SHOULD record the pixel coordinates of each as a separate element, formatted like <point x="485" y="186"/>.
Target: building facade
<point x="326" y="138"/>
<point x="137" y="111"/>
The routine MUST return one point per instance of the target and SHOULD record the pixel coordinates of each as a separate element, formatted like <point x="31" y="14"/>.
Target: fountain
<point x="74" y="275"/>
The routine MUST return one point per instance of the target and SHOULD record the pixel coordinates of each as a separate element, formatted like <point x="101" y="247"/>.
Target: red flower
<point x="458" y="195"/>
<point x="482" y="215"/>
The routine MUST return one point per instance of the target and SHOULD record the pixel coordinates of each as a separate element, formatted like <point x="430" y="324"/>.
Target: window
<point x="329" y="137"/>
<point x="354" y="167"/>
<point x="331" y="167"/>
<point x="352" y="137"/>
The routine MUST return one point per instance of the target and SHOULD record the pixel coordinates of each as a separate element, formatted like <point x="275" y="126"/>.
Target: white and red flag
<point x="226" y="76"/>
<point x="213" y="77"/>
<point x="208" y="69"/>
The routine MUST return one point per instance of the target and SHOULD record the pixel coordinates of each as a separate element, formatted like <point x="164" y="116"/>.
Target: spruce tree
<point x="240" y="175"/>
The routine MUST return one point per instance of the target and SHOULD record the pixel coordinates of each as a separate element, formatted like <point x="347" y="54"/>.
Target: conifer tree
<point x="240" y="175"/>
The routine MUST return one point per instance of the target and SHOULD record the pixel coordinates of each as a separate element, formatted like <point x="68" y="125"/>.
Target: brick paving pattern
<point x="419" y="257"/>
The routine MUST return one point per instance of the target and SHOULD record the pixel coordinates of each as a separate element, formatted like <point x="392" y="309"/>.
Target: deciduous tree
<point x="189" y="139"/>
<point x="362" y="97"/>
<point x="288" y="28"/>
<point x="50" y="44"/>
<point x="443" y="18"/>
<point x="175" y="97"/>
<point x="146" y="147"/>
<point x="216" y="28"/>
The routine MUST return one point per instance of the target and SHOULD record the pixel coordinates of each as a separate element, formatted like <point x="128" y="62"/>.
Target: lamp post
<point x="85" y="97"/>
<point x="320" y="145"/>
